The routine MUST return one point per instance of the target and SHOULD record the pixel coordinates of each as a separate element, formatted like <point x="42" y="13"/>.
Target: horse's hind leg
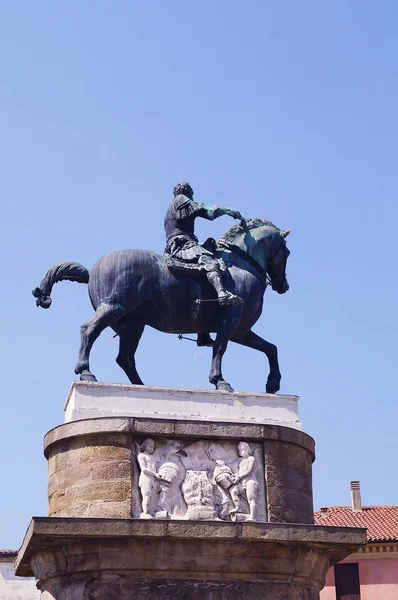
<point x="252" y="340"/>
<point x="129" y="340"/>
<point x="105" y="315"/>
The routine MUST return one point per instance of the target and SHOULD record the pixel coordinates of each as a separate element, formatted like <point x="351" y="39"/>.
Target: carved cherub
<point x="148" y="479"/>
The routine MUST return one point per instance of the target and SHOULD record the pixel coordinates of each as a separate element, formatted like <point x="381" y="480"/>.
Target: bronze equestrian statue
<point x="218" y="287"/>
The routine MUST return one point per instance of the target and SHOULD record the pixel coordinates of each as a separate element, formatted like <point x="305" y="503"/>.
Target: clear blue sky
<point x="283" y="110"/>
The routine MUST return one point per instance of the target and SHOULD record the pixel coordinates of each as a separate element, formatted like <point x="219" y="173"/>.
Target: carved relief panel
<point x="204" y="480"/>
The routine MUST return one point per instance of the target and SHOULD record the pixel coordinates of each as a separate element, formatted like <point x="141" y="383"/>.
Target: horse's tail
<point x="68" y="270"/>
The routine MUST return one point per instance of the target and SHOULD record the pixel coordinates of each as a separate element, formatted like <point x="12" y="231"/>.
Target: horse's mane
<point x="240" y="228"/>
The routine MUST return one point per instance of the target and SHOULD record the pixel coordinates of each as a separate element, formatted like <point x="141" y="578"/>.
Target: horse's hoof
<point x="272" y="387"/>
<point x="223" y="386"/>
<point x="87" y="376"/>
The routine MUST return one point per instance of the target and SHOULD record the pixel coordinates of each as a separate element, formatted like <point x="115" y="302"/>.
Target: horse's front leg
<point x="224" y="333"/>
<point x="254" y="341"/>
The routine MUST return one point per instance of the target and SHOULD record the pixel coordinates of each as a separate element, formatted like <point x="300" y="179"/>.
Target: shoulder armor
<point x="181" y="201"/>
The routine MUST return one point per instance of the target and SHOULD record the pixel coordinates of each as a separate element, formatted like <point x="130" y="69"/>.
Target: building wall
<point x="378" y="578"/>
<point x="16" y="588"/>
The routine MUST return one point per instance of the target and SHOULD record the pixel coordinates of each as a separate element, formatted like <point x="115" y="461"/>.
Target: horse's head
<point x="266" y="246"/>
<point x="276" y="264"/>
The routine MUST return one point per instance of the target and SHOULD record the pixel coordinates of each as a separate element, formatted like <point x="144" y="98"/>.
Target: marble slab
<point x="92" y="400"/>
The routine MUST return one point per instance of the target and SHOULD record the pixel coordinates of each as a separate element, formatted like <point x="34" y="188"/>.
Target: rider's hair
<point x="183" y="188"/>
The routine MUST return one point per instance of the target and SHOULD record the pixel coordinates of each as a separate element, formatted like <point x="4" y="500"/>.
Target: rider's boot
<point x="204" y="339"/>
<point x="224" y="296"/>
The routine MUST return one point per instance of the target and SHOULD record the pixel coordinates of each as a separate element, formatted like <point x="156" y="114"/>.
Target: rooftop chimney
<point x="356" y="496"/>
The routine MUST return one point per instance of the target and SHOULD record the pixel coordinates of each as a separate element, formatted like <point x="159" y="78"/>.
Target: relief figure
<point x="245" y="485"/>
<point x="148" y="481"/>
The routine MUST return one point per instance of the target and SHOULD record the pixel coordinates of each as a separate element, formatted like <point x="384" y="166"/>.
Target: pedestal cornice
<point x="255" y="541"/>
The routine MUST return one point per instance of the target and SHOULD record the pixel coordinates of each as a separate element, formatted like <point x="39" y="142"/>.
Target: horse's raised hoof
<point x="272" y="386"/>
<point x="87" y="376"/>
<point x="224" y="386"/>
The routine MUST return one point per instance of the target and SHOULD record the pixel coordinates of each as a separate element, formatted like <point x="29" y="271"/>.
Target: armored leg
<point x="225" y="297"/>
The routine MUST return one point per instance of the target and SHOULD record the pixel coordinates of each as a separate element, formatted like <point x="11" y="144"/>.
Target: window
<point x="347" y="581"/>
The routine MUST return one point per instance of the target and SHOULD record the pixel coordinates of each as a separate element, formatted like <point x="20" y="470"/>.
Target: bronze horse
<point x="133" y="288"/>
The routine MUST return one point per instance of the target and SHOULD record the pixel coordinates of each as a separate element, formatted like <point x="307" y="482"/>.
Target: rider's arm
<point x="213" y="212"/>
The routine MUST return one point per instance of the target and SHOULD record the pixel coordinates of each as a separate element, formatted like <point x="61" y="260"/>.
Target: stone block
<point x="215" y="430"/>
<point x="105" y="510"/>
<point x="86" y="494"/>
<point x="290" y="498"/>
<point x="102" y="471"/>
<point x="153" y="427"/>
<point x="288" y="475"/>
<point x="87" y="400"/>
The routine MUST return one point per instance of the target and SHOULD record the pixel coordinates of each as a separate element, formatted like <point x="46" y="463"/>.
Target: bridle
<point x="261" y="272"/>
<point x="273" y="282"/>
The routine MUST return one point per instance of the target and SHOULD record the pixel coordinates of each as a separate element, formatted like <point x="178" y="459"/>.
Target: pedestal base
<point x="87" y="400"/>
<point x="120" y="559"/>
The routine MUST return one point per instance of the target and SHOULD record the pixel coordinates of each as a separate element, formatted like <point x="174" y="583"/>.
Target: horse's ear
<point x="285" y="233"/>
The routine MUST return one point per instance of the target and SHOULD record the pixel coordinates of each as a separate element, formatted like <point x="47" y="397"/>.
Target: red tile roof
<point x="380" y="521"/>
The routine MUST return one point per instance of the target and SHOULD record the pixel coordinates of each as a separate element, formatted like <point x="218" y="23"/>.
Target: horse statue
<point x="133" y="288"/>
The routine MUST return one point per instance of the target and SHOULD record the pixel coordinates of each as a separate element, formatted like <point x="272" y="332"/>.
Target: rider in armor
<point x="182" y="246"/>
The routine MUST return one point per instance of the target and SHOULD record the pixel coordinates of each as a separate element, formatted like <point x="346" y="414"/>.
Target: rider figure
<point x="183" y="245"/>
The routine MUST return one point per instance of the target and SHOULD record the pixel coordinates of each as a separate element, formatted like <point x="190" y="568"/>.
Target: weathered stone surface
<point x="112" y="586"/>
<point x="100" y="400"/>
<point x="85" y="473"/>
<point x="153" y="427"/>
<point x="291" y="436"/>
<point x="225" y="430"/>
<point x="110" y="510"/>
<point x="105" y="491"/>
<point x="94" y="461"/>
<point x="87" y="427"/>
<point x="189" y="428"/>
<point x="288" y="471"/>
<point x="117" y="559"/>
<point x="251" y="539"/>
<point x="291" y="478"/>
<point x="290" y="498"/>
<point x="89" y="471"/>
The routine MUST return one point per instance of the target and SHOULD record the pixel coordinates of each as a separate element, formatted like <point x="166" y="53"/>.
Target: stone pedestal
<point x="176" y="508"/>
<point x="92" y="400"/>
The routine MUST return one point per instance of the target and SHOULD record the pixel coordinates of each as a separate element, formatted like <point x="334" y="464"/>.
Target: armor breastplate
<point x="180" y="218"/>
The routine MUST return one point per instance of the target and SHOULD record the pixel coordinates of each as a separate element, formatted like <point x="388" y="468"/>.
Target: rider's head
<point x="183" y="188"/>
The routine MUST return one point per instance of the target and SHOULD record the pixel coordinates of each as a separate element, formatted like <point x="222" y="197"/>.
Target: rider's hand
<point x="236" y="215"/>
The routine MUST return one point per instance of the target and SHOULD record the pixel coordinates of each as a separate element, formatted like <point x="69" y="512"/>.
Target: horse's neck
<point x="254" y="245"/>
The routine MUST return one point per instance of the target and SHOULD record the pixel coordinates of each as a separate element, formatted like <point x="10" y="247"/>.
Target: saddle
<point x="191" y="269"/>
